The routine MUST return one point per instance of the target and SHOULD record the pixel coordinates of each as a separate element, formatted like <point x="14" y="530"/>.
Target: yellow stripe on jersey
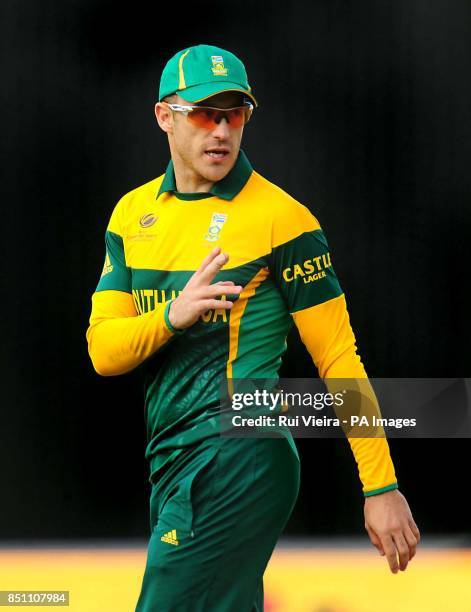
<point x="237" y="313"/>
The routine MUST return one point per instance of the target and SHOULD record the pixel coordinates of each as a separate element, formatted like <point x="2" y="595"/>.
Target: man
<point x="201" y="284"/>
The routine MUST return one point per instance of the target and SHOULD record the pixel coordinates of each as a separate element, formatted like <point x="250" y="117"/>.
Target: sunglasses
<point x="208" y="117"/>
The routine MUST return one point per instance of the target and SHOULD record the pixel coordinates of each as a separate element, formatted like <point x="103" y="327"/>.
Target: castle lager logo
<point x="310" y="270"/>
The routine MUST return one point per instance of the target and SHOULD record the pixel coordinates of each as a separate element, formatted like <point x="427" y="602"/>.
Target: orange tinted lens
<point x="203" y="117"/>
<point x="209" y="118"/>
<point x="236" y="117"/>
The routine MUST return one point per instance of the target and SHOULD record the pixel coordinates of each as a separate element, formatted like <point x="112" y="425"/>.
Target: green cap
<point x="202" y="71"/>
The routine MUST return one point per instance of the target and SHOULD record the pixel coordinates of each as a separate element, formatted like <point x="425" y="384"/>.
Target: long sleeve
<point x="302" y="267"/>
<point x="119" y="339"/>
<point x="327" y="334"/>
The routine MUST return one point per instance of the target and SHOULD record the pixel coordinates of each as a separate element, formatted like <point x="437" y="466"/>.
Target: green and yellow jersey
<point x="156" y="239"/>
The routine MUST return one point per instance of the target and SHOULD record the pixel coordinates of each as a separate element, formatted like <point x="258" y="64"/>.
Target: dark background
<point x="364" y="116"/>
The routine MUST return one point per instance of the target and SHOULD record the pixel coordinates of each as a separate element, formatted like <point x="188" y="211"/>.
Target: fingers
<point x="402" y="549"/>
<point x="214" y="266"/>
<point x="208" y="259"/>
<point x="400" y="544"/>
<point x="200" y="294"/>
<point x="211" y="265"/>
<point x="392" y="546"/>
<point x="220" y="289"/>
<point x="414" y="529"/>
<point x="375" y="540"/>
<point x="412" y="542"/>
<point x="206" y="305"/>
<point x="391" y="553"/>
<point x="392" y="529"/>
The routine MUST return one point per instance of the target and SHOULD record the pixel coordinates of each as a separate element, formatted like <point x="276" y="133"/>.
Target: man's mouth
<point x="217" y="152"/>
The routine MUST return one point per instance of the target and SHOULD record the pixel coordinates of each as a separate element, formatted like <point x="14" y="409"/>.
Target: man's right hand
<point x="199" y="295"/>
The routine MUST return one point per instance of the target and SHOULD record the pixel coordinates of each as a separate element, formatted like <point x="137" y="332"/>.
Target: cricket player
<point x="207" y="267"/>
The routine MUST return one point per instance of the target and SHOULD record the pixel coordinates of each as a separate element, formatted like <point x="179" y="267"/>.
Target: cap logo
<point x="218" y="68"/>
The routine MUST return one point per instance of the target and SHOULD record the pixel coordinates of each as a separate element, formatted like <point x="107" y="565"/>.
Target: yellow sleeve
<point x="118" y="338"/>
<point x="327" y="334"/>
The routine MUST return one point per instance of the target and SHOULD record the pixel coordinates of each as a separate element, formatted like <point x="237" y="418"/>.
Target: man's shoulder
<point x="140" y="198"/>
<point x="269" y="189"/>
<point x="147" y="191"/>
<point x="283" y="207"/>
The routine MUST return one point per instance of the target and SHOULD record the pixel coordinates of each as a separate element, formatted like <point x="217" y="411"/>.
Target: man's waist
<point x="168" y="452"/>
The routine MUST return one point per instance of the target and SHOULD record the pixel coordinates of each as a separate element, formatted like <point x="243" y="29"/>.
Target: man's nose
<point x="221" y="130"/>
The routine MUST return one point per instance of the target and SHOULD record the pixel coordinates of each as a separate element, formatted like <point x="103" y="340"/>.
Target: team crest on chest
<point x="215" y="227"/>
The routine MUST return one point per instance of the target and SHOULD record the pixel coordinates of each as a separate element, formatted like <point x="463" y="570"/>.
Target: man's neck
<point x="187" y="181"/>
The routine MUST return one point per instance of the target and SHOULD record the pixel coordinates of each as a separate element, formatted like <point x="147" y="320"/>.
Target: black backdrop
<point x="364" y="116"/>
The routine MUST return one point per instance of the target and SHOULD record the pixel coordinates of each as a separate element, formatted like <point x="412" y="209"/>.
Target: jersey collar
<point x="227" y="188"/>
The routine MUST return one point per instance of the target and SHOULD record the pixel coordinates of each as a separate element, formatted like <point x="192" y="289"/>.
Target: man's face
<point x="209" y="153"/>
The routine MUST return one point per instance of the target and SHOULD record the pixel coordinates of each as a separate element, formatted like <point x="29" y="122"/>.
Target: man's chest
<point x="165" y="245"/>
<point x="178" y="237"/>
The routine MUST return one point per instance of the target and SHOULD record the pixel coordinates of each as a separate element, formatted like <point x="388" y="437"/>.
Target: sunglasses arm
<point x="181" y="108"/>
<point x="187" y="108"/>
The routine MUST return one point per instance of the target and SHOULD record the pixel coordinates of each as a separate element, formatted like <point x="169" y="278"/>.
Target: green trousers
<point x="217" y="511"/>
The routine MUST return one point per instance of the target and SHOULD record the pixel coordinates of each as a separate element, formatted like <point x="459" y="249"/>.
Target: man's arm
<point x="119" y="339"/>
<point x="325" y="330"/>
<point x="301" y="265"/>
<point x="327" y="334"/>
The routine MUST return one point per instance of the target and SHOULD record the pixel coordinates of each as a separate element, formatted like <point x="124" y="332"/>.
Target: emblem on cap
<point x="218" y="68"/>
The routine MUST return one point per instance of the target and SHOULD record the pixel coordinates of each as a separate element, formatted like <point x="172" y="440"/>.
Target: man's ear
<point x="164" y="116"/>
